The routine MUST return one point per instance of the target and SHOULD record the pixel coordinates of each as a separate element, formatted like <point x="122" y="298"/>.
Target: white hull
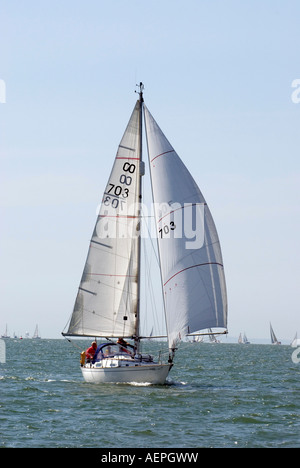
<point x="154" y="374"/>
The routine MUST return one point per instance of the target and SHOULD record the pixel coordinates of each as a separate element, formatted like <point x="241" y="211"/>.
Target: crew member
<point x="90" y="352"/>
<point x="123" y="346"/>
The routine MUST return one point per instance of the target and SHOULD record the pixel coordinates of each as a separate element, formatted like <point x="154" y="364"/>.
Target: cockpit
<point x="111" y="350"/>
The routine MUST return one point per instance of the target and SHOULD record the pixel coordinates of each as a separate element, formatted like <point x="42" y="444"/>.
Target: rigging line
<point x="150" y="300"/>
<point x="153" y="299"/>
<point x="150" y="237"/>
<point x="70" y="341"/>
<point x="151" y="306"/>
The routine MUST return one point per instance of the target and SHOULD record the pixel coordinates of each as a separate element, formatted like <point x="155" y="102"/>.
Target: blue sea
<point x="217" y="395"/>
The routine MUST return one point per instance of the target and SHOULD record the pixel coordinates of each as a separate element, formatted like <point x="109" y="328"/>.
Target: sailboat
<point x="196" y="339"/>
<point x="212" y="337"/>
<point x="274" y="340"/>
<point x="296" y="342"/>
<point x="36" y="335"/>
<point x="245" y="339"/>
<point x="108" y="302"/>
<point x="6" y="335"/>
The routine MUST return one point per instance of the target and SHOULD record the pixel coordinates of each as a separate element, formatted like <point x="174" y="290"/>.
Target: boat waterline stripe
<point x="166" y="152"/>
<point x="194" y="266"/>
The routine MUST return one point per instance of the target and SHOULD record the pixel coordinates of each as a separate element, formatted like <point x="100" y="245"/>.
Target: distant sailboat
<point x="212" y="337"/>
<point x="274" y="340"/>
<point x="36" y="335"/>
<point x="243" y="339"/>
<point x="193" y="283"/>
<point x="195" y="339"/>
<point x="6" y="335"/>
<point x="296" y="342"/>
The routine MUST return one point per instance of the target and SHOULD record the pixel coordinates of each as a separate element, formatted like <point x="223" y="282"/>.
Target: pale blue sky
<point x="218" y="79"/>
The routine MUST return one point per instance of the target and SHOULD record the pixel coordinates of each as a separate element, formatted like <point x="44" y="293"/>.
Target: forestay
<point x="190" y="254"/>
<point x="106" y="303"/>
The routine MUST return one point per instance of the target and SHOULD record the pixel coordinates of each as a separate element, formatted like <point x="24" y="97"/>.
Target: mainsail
<point x="107" y="299"/>
<point x="190" y="255"/>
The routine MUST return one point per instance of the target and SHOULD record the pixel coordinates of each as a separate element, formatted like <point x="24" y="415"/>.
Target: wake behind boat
<point x="108" y="304"/>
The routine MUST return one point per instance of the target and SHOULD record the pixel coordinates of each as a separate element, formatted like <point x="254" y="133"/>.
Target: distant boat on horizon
<point x="274" y="340"/>
<point x="212" y="337"/>
<point x="296" y="342"/>
<point x="243" y="339"/>
<point x="196" y="339"/>
<point x="6" y="335"/>
<point x="36" y="335"/>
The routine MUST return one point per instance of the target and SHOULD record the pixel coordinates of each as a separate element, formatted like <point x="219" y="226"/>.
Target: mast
<point x="142" y="171"/>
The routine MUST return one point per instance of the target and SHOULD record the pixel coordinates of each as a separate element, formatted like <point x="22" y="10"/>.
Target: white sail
<point x="106" y="303"/>
<point x="36" y="335"/>
<point x="190" y="255"/>
<point x="296" y="342"/>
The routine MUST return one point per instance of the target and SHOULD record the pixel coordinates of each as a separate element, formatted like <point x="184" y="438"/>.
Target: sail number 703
<point x="114" y="194"/>
<point x="166" y="229"/>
